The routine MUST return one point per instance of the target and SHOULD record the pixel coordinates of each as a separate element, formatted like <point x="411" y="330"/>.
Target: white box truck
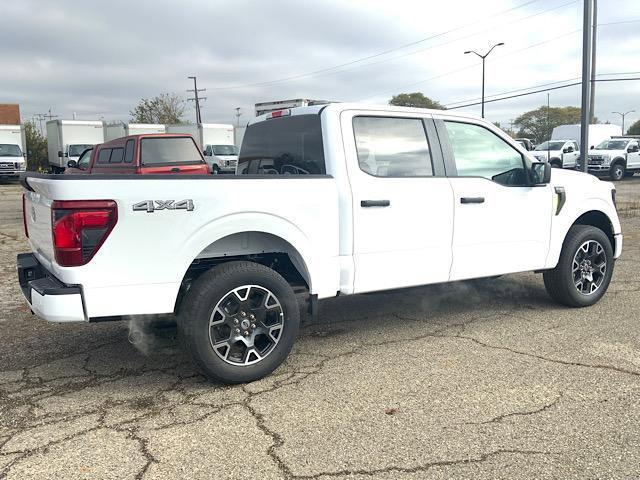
<point x="597" y="133"/>
<point x="67" y="139"/>
<point x="12" y="151"/>
<point x="122" y="129"/>
<point x="217" y="143"/>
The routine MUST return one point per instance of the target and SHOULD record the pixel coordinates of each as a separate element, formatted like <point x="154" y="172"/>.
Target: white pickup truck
<point x="559" y="153"/>
<point x="328" y="200"/>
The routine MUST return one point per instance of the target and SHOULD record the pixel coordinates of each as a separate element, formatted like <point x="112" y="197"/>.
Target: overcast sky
<point x="98" y="59"/>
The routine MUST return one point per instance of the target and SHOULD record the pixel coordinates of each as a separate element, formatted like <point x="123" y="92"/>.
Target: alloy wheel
<point x="246" y="325"/>
<point x="589" y="267"/>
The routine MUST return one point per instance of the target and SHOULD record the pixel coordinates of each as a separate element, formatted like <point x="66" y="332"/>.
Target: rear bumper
<point x="48" y="297"/>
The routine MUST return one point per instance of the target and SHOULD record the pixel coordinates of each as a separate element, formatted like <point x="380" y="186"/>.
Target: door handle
<point x="472" y="200"/>
<point x="375" y="203"/>
<point x="175" y="170"/>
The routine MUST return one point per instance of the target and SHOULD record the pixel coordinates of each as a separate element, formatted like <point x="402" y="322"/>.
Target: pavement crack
<point x="548" y="359"/>
<point x="525" y="413"/>
<point x="420" y="468"/>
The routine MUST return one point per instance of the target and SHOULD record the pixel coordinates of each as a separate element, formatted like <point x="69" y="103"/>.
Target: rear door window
<point x="116" y="155"/>
<point x="169" y="151"/>
<point x="392" y="147"/>
<point x="283" y="146"/>
<point x="104" y="155"/>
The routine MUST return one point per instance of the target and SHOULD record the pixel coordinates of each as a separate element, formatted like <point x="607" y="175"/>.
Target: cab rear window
<point x="169" y="150"/>
<point x="283" y="146"/>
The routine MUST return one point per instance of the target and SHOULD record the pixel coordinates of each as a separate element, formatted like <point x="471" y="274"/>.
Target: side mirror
<point x="541" y="173"/>
<point x="592" y="147"/>
<point x="72" y="164"/>
<point x="60" y="153"/>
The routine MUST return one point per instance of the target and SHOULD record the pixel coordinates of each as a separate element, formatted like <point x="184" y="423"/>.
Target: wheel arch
<point x="555" y="160"/>
<point x="595" y="212"/>
<point x="619" y="160"/>
<point x="272" y="241"/>
<point x="598" y="219"/>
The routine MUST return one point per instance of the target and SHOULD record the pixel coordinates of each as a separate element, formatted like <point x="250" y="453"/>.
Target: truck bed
<point x="155" y="246"/>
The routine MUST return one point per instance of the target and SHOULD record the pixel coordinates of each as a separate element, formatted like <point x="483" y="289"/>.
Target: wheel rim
<point x="246" y="325"/>
<point x="617" y="173"/>
<point x="589" y="267"/>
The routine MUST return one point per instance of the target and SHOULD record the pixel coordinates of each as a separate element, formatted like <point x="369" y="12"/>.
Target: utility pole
<point x="238" y="113"/>
<point x="41" y="117"/>
<point x="483" y="57"/>
<point x="624" y="115"/>
<point x="49" y="115"/>
<point x="594" y="43"/>
<point x="196" y="98"/>
<point x="548" y="127"/>
<point x="587" y="30"/>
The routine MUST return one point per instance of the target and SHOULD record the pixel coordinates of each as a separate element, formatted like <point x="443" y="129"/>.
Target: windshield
<point x="225" y="150"/>
<point x="169" y="150"/>
<point x="76" y="150"/>
<point x="550" y="146"/>
<point x="612" y="145"/>
<point x="8" y="150"/>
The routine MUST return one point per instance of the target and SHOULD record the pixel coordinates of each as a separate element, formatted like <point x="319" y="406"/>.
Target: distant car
<point x="559" y="153"/>
<point x="615" y="158"/>
<point x="221" y="158"/>
<point x="526" y="143"/>
<point x="158" y="153"/>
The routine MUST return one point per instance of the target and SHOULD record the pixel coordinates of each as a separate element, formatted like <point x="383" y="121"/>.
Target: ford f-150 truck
<point x="328" y="200"/>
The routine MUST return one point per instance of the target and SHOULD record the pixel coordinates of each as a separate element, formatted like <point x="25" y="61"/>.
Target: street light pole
<point x="483" y="57"/>
<point x="624" y="115"/>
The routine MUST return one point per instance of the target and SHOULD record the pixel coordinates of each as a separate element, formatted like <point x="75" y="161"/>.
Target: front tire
<point x="556" y="163"/>
<point x="239" y="321"/>
<point x="584" y="270"/>
<point x="617" y="172"/>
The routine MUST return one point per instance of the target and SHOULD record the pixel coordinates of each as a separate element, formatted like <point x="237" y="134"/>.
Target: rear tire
<point x="617" y="172"/>
<point x="566" y="283"/>
<point x="556" y="163"/>
<point x="239" y="321"/>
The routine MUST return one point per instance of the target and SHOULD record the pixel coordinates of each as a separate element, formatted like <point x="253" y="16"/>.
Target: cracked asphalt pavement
<point x="470" y="380"/>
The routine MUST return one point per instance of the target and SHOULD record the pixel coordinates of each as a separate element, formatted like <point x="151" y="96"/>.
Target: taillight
<point x="80" y="227"/>
<point x="24" y="215"/>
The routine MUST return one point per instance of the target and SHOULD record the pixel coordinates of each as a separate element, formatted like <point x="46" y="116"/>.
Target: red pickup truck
<point x="158" y="153"/>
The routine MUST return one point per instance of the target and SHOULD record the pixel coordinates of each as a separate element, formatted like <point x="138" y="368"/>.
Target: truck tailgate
<point x="37" y="210"/>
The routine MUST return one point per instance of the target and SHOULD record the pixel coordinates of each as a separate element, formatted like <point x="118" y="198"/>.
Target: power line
<point x="543" y="90"/>
<point x="385" y="52"/>
<point x="415" y="52"/>
<point x="471" y="66"/>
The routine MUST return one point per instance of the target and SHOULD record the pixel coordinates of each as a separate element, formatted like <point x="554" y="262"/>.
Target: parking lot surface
<point x="470" y="380"/>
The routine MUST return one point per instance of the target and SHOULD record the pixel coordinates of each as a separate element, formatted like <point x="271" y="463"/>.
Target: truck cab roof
<point x="338" y="107"/>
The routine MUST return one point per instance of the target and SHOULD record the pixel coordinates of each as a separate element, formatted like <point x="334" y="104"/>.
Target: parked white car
<point x="559" y="153"/>
<point x="615" y="158"/>
<point x="330" y="200"/>
<point x="12" y="151"/>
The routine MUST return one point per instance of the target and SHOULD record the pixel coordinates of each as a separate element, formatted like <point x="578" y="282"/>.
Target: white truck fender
<point x="563" y="222"/>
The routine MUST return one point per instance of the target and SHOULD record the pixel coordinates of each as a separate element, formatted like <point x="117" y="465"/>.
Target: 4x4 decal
<point x="151" y="206"/>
